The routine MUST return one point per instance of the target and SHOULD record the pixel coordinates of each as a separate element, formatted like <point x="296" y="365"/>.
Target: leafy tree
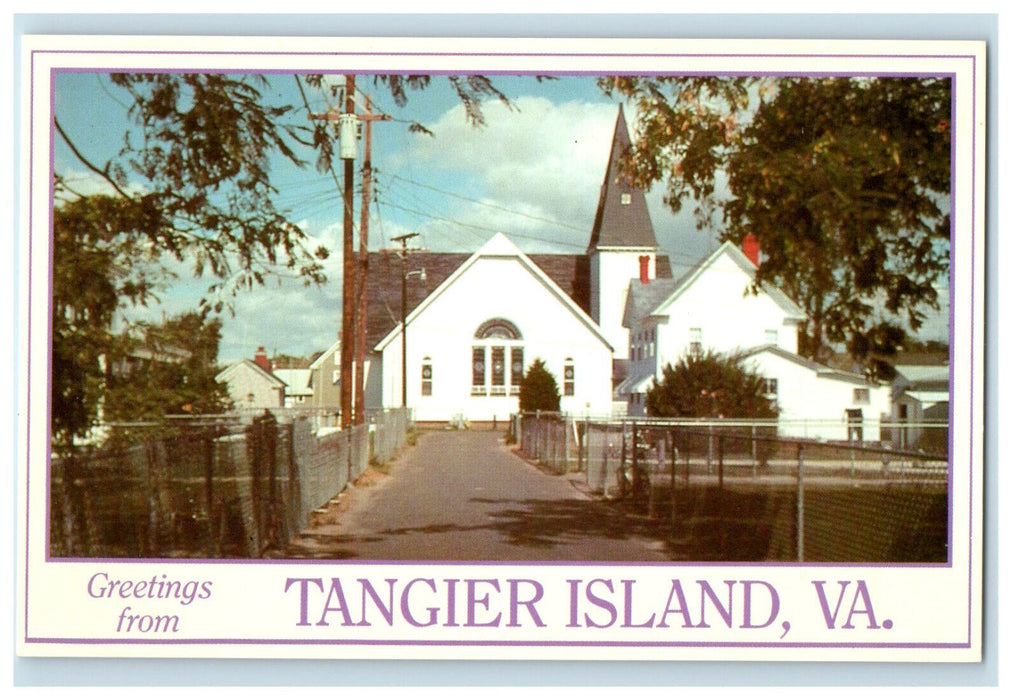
<point x="169" y="370"/>
<point x="844" y="181"/>
<point x="191" y="184"/>
<point x="709" y="385"/>
<point x="98" y="264"/>
<point x="538" y="389"/>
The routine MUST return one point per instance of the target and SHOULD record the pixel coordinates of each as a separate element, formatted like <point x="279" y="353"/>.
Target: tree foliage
<point x="166" y="370"/>
<point x="844" y="181"/>
<point x="99" y="263"/>
<point x="192" y="184"/>
<point x="538" y="389"/>
<point x="709" y="385"/>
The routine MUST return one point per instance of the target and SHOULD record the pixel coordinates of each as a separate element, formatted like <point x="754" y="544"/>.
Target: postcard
<point x="501" y="349"/>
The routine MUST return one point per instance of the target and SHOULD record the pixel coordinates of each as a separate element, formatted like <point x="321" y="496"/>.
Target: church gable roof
<point x="498" y="246"/>
<point x="622" y="219"/>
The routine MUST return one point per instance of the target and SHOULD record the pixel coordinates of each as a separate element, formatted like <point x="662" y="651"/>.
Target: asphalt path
<point x="466" y="496"/>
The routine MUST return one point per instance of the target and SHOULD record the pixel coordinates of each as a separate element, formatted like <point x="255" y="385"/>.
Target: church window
<point x="497" y="342"/>
<point x="498" y="371"/>
<point x="498" y="328"/>
<point x="426" y="377"/>
<point x="516" y="370"/>
<point x="568" y="377"/>
<point x="478" y="371"/>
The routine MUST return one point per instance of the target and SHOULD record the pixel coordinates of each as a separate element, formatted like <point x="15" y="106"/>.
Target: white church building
<point x="475" y="323"/>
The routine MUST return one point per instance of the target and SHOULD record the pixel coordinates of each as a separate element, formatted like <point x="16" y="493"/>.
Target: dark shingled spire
<point x="617" y="224"/>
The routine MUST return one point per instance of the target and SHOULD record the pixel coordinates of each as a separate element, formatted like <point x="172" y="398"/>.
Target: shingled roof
<point x="572" y="273"/>
<point x="617" y="224"/>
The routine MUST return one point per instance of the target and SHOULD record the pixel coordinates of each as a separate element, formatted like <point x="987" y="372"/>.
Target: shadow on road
<point x="538" y="529"/>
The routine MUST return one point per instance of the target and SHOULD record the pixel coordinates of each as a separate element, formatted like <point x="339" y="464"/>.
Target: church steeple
<point x="622" y="219"/>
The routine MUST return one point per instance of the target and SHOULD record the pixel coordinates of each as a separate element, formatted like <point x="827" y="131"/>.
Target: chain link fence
<point x="741" y="491"/>
<point x="215" y="487"/>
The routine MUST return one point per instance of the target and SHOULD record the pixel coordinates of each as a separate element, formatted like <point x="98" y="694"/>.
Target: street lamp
<point x="403" y="316"/>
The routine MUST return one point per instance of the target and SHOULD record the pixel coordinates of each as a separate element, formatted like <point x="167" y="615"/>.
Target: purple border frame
<point x="501" y="643"/>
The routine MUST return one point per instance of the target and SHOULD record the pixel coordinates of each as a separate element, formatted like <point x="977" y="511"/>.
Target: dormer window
<point x="626" y="198"/>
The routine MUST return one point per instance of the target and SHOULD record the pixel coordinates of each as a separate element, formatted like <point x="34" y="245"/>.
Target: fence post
<point x="799" y="502"/>
<point x="636" y="466"/>
<point x="721" y="501"/>
<point x="711" y="446"/>
<point x="686" y="442"/>
<point x="621" y="476"/>
<point x="672" y="479"/>
<point x="651" y="478"/>
<point x="567" y="432"/>
<point x="753" y="450"/>
<point x="584" y="453"/>
<point x="210" y="454"/>
<point x="350" y="453"/>
<point x="605" y="462"/>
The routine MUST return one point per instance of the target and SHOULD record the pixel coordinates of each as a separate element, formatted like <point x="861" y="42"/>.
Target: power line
<point x="489" y="204"/>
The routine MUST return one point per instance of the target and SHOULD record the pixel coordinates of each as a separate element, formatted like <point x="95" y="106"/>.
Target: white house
<point x="298" y="392"/>
<point x="251" y="384"/>
<point x="713" y="307"/>
<point x="919" y="394"/>
<point x="816" y="401"/>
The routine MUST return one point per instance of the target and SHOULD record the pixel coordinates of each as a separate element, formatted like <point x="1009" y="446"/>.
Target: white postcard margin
<point x="267" y="609"/>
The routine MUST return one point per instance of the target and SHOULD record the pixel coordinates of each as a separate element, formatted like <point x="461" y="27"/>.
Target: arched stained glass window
<point x="498" y="328"/>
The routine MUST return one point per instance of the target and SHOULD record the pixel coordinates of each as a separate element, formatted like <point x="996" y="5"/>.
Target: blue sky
<point x="533" y="173"/>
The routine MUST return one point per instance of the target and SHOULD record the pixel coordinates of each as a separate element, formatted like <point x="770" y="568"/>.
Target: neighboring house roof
<point x="298" y="381"/>
<point x="618" y="225"/>
<point x="816" y="367"/>
<point x="227" y="373"/>
<point x="927" y="398"/>
<point x="693" y="274"/>
<point x="324" y="356"/>
<point x="925" y="383"/>
<point x="923" y="374"/>
<point x="643" y="297"/>
<point x="636" y="384"/>
<point x="499" y="245"/>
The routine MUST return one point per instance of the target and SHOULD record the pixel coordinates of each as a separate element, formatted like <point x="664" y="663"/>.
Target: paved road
<point x="464" y="496"/>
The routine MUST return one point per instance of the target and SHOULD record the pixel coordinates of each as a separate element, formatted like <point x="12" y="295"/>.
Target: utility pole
<point x="347" y="341"/>
<point x="353" y="333"/>
<point x="361" y="343"/>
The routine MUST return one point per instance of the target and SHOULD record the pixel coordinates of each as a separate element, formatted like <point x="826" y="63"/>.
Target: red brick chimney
<point x="645" y="275"/>
<point x="752" y="249"/>
<point x="262" y="360"/>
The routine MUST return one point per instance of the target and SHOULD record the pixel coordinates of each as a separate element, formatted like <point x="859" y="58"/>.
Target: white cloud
<point x="544" y="161"/>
